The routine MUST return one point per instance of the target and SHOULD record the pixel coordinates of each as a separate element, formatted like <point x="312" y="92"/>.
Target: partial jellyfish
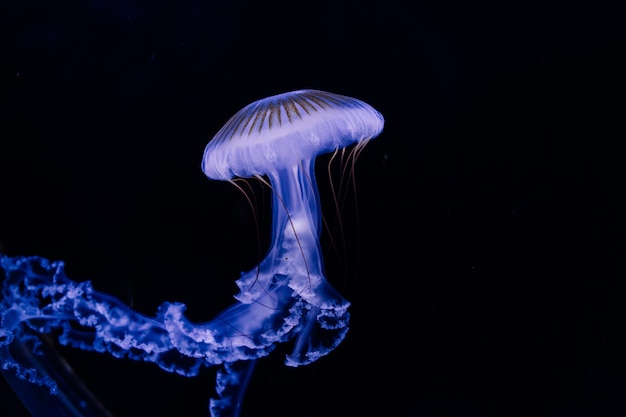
<point x="285" y="298"/>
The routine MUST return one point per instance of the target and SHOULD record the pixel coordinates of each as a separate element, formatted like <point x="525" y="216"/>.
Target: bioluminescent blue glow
<point x="286" y="297"/>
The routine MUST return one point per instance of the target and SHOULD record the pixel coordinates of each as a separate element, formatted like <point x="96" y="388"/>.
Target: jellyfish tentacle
<point x="232" y="382"/>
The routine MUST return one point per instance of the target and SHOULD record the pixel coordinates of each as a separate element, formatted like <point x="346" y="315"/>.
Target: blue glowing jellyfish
<point x="286" y="297"/>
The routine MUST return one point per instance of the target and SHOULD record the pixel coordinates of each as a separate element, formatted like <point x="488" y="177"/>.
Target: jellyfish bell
<point x="280" y="131"/>
<point x="280" y="137"/>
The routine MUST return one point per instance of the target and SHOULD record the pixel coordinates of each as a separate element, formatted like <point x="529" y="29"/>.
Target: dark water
<point x="483" y="264"/>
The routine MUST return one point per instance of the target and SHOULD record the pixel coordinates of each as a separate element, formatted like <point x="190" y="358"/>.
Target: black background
<point x="482" y="253"/>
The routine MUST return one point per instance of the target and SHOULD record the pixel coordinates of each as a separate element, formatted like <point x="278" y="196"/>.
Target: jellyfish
<point x="286" y="298"/>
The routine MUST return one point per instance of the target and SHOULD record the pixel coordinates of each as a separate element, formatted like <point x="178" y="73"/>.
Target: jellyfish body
<point x="286" y="297"/>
